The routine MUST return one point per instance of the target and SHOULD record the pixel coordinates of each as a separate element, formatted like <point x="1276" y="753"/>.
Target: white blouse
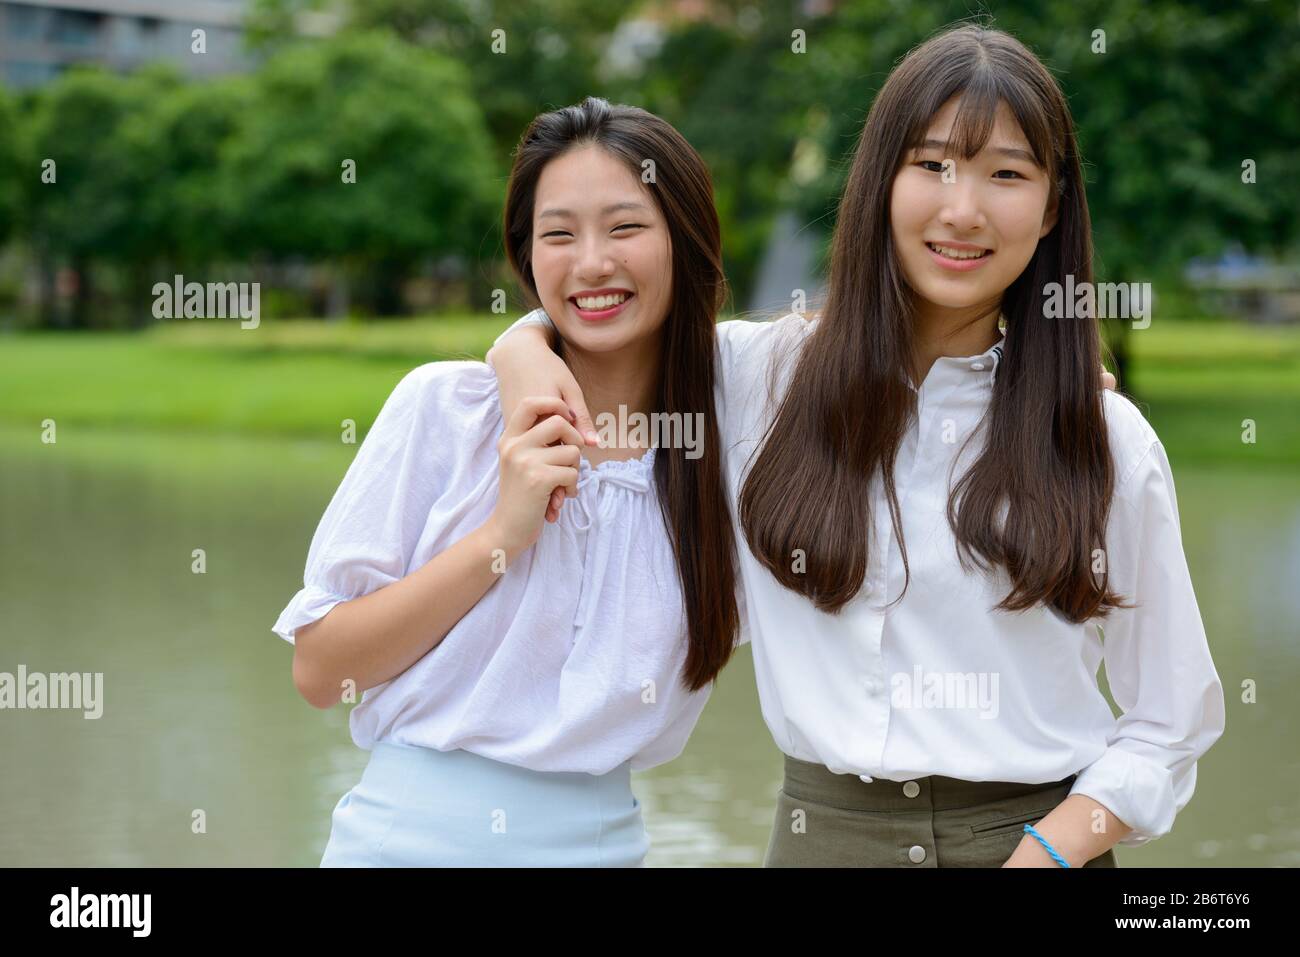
<point x="572" y="660"/>
<point x="916" y="689"/>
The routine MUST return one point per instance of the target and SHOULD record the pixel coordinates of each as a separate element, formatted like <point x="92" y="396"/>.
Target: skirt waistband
<point x="473" y="773"/>
<point x="815" y="782"/>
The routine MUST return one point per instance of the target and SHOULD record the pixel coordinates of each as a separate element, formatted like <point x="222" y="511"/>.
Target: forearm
<point x="1071" y="830"/>
<point x="376" y="637"/>
<point x="512" y="357"/>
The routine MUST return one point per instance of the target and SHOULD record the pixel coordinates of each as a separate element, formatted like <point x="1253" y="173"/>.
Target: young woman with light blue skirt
<point x="518" y="662"/>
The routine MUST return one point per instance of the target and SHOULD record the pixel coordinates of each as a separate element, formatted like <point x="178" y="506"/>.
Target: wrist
<point x="1074" y="856"/>
<point x="498" y="542"/>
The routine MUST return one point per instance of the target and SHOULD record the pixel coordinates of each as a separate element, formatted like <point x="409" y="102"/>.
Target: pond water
<point x="97" y="536"/>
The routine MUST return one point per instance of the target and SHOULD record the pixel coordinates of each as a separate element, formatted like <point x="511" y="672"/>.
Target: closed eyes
<point x="561" y="232"/>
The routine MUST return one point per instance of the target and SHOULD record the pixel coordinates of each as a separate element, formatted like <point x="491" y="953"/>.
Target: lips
<point x="958" y="250"/>
<point x="593" y="305"/>
<point x="958" y="257"/>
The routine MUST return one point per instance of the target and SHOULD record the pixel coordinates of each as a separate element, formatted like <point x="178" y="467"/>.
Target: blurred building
<point x="39" y="39"/>
<point x="1254" y="288"/>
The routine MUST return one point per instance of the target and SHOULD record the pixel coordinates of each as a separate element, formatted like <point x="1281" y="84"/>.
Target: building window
<point x="75" y="27"/>
<point x="22" y="23"/>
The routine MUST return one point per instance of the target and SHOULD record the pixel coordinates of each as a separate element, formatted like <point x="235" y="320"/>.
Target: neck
<point x="940" y="331"/>
<point x="626" y="377"/>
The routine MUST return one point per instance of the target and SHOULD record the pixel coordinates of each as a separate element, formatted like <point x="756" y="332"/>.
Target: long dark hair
<point x="691" y="497"/>
<point x="1046" y="464"/>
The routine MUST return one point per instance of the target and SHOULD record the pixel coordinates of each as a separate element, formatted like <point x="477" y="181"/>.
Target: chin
<point x="589" y="340"/>
<point x="945" y="299"/>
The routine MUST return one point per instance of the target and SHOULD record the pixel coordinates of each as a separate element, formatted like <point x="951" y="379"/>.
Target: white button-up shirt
<point x="941" y="683"/>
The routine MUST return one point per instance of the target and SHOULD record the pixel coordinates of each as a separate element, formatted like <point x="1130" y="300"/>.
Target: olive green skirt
<point x="838" y="820"/>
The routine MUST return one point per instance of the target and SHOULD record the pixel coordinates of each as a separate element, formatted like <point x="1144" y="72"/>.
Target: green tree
<point x="181" y="141"/>
<point x="404" y="120"/>
<point x="554" y="51"/>
<point x="11" y="164"/>
<point x="521" y="56"/>
<point x="80" y="203"/>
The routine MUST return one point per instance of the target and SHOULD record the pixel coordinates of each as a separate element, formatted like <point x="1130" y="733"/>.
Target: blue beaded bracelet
<point x="1029" y="829"/>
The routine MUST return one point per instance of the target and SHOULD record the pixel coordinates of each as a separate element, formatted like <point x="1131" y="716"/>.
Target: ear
<point x="1049" y="216"/>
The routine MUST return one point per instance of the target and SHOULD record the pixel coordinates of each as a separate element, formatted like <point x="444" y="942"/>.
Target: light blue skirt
<point x="418" y="807"/>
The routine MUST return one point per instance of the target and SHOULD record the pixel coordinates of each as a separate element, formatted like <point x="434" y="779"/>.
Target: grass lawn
<point x="1196" y="382"/>
<point x="288" y="378"/>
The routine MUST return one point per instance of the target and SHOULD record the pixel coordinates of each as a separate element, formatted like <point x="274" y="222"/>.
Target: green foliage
<point x="155" y="170"/>
<point x="425" y="173"/>
<point x="11" y="164"/>
<point x="180" y="144"/>
<point x="155" y="173"/>
<point x="89" y="212"/>
<point x="552" y="50"/>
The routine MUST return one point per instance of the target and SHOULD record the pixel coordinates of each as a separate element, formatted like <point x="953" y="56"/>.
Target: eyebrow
<point x="611" y="208"/>
<point x="1003" y="150"/>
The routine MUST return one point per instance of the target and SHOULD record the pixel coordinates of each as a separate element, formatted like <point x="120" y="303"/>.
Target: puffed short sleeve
<point x="404" y="467"/>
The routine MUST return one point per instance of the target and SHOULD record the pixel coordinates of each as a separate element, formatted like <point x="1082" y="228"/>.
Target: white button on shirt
<point x="940" y="683"/>
<point x="572" y="660"/>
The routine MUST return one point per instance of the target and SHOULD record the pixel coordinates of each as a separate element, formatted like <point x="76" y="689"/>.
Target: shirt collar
<point x="980" y="368"/>
<point x="992" y="356"/>
<point x="986" y="363"/>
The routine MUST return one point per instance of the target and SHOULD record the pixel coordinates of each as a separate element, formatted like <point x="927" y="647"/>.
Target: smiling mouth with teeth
<point x="959" y="253"/>
<point x="594" y="303"/>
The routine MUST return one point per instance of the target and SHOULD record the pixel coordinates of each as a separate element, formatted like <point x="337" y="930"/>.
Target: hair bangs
<point x="982" y="87"/>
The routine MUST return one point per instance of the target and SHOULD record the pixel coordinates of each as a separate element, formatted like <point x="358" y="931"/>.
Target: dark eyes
<point x="562" y="232"/>
<point x="938" y="168"/>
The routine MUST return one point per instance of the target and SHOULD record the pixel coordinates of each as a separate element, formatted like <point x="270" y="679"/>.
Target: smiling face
<point x="601" y="253"/>
<point x="961" y="243"/>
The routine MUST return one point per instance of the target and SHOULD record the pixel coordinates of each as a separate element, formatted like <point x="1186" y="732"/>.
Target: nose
<point x="594" y="261"/>
<point x="961" y="206"/>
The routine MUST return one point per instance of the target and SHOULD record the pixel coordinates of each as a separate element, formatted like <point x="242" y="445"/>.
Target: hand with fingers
<point x="540" y="453"/>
